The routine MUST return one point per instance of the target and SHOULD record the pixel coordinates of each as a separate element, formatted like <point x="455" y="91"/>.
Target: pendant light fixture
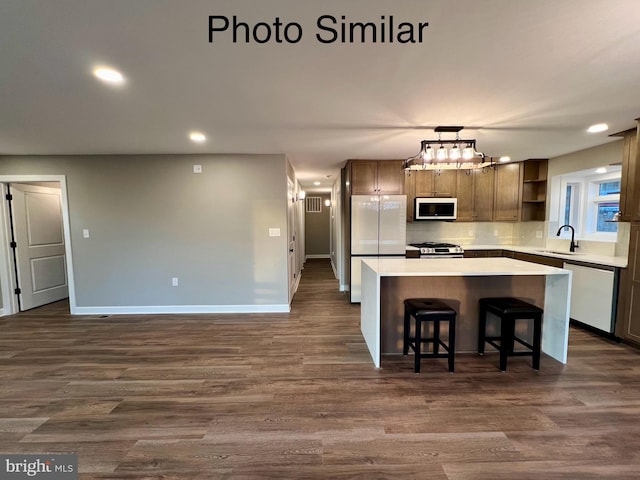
<point x="456" y="157"/>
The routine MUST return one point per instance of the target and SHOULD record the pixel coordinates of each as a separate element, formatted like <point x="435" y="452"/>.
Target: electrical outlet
<point x="197" y="169"/>
<point x="538" y="233"/>
<point x="174" y="282"/>
<point x="85" y="233"/>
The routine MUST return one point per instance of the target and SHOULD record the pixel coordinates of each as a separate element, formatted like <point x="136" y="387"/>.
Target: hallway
<point x="296" y="396"/>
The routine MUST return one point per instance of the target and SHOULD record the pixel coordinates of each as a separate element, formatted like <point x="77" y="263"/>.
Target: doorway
<point x="52" y="265"/>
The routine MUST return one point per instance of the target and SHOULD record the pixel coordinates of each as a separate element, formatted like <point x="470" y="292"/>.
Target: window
<point x="571" y="209"/>
<point x="587" y="201"/>
<point x="605" y="203"/>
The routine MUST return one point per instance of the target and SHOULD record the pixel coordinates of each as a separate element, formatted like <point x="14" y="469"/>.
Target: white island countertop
<point x="455" y="267"/>
<point x="556" y="287"/>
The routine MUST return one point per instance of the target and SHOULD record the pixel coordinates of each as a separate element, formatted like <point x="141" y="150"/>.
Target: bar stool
<point x="429" y="310"/>
<point x="510" y="309"/>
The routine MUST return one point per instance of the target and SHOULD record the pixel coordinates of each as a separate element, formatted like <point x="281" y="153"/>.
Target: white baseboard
<point x="179" y="309"/>
<point x="344" y="288"/>
<point x="335" y="270"/>
<point x="317" y="256"/>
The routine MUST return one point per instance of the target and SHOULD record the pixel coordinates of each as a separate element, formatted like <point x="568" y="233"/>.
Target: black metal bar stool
<point x="429" y="310"/>
<point x="510" y="309"/>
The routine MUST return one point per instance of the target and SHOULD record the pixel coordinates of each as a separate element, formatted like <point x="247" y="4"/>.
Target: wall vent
<point x="314" y="204"/>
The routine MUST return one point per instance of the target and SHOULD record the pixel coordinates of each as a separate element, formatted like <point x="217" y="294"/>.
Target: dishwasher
<point x="594" y="296"/>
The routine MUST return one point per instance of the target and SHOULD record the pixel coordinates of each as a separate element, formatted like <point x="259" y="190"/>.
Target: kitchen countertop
<point x="580" y="257"/>
<point x="453" y="267"/>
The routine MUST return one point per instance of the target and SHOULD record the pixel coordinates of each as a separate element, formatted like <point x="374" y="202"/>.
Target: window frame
<point x="585" y="199"/>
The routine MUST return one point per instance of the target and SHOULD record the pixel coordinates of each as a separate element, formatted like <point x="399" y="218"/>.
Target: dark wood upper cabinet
<point x="377" y="177"/>
<point x="630" y="179"/>
<point x="507" y="192"/>
<point x="435" y="183"/>
<point x="475" y="193"/>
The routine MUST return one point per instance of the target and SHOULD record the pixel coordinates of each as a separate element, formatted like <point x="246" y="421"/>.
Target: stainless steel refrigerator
<point x="378" y="228"/>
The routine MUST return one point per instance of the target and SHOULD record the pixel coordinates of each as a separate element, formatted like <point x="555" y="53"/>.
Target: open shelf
<point x="534" y="189"/>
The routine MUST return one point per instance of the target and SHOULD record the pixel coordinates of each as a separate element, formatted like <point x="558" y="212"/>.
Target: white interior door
<point x="291" y="239"/>
<point x="40" y="251"/>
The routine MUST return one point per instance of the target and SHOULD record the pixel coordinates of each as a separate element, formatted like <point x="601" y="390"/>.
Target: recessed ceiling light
<point x="598" y="127"/>
<point x="316" y="183"/>
<point x="505" y="159"/>
<point x="108" y="75"/>
<point x="601" y="170"/>
<point x="197" y="137"/>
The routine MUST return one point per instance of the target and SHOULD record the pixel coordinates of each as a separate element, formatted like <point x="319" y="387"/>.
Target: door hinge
<point x="17" y="291"/>
<point x="8" y="196"/>
<point x="13" y="245"/>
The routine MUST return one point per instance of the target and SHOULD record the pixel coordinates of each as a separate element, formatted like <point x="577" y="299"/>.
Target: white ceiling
<point x="524" y="77"/>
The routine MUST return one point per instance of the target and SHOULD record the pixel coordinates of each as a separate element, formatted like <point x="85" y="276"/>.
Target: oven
<point x="434" y="250"/>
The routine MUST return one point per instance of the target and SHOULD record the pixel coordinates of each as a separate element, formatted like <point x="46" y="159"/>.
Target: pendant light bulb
<point x="468" y="152"/>
<point x="429" y="154"/>
<point x="454" y="153"/>
<point x="442" y="153"/>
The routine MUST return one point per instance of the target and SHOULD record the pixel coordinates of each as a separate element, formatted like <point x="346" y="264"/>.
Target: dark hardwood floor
<point x="295" y="396"/>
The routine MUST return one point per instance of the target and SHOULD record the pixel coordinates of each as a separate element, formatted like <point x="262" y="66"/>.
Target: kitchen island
<point x="386" y="282"/>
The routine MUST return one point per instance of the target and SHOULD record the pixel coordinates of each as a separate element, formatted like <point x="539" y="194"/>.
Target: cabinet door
<point x="630" y="179"/>
<point x="634" y="182"/>
<point x="444" y="183"/>
<point x="507" y="192"/>
<point x="464" y="187"/>
<point x="424" y="183"/>
<point x="629" y="307"/>
<point x="364" y="175"/>
<point x="410" y="192"/>
<point x="483" y="182"/>
<point x="390" y="177"/>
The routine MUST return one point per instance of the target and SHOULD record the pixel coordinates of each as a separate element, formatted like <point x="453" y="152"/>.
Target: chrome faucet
<point x="572" y="245"/>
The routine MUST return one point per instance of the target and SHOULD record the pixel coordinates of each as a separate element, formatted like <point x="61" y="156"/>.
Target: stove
<point x="436" y="250"/>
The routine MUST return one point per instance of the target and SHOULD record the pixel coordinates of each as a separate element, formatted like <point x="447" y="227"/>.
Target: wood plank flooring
<point x="295" y="396"/>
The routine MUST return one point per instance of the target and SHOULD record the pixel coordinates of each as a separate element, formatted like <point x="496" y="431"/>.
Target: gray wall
<point x="317" y="229"/>
<point x="151" y="218"/>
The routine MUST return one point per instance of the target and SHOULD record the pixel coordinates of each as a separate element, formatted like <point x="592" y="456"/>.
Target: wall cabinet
<point x="534" y="190"/>
<point x="507" y="192"/>
<point x="630" y="180"/>
<point x="435" y="183"/>
<point x="410" y="192"/>
<point x="376" y="177"/>
<point x="475" y="192"/>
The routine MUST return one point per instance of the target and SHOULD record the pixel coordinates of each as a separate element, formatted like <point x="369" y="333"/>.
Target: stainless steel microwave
<point x="435" y="208"/>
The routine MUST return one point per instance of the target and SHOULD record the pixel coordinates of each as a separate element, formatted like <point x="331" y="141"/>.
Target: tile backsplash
<point x="530" y="234"/>
<point x="464" y="233"/>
